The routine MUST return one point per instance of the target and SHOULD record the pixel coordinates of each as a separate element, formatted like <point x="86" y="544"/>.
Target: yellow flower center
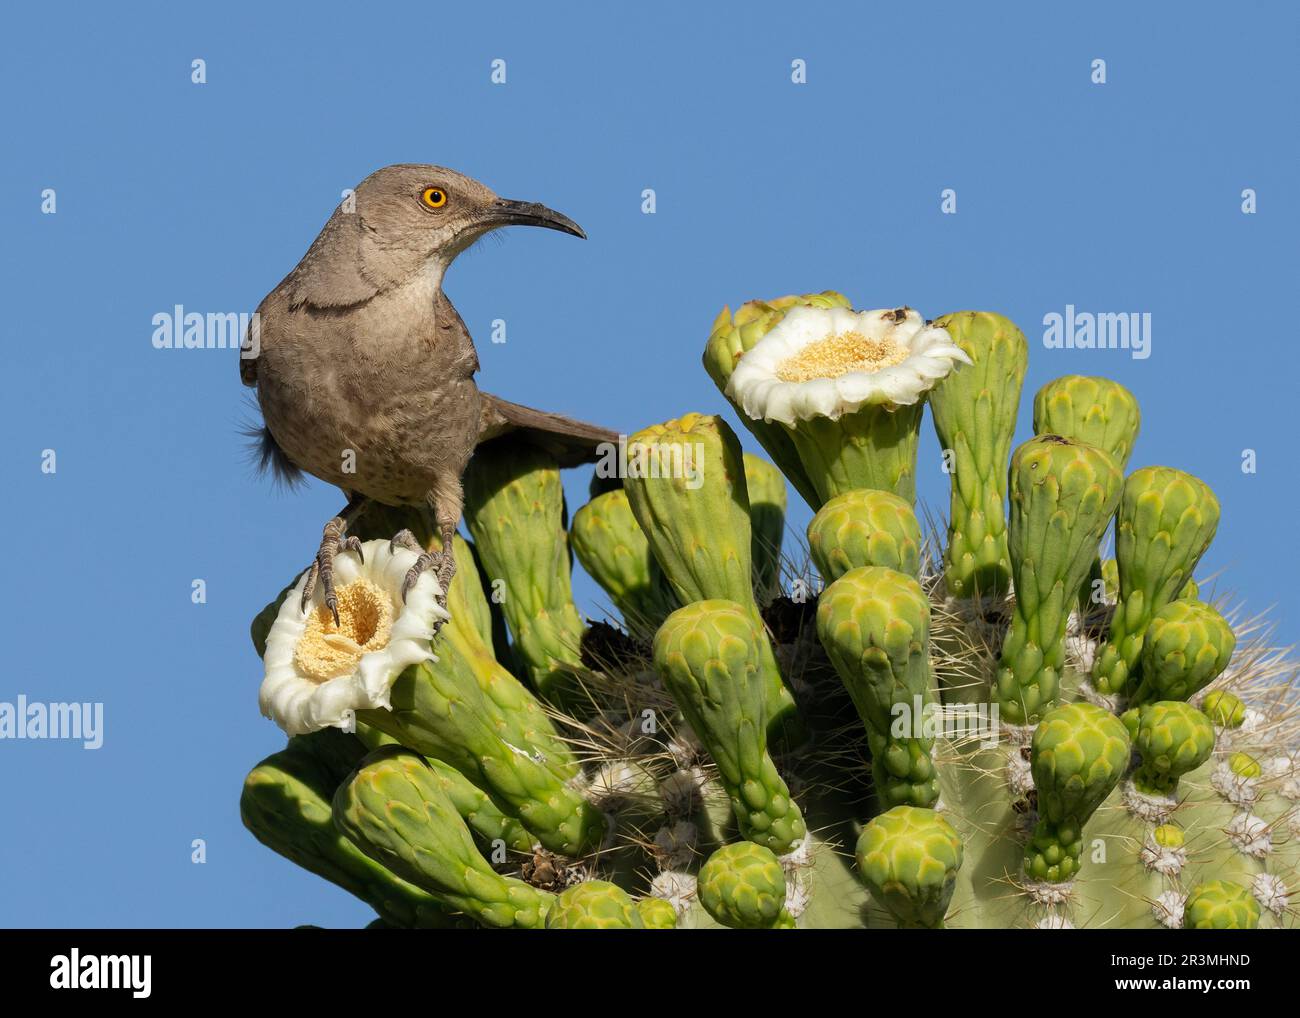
<point x="838" y="355"/>
<point x="327" y="651"/>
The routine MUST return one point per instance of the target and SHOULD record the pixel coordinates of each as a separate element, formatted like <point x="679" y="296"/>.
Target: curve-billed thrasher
<point x="365" y="372"/>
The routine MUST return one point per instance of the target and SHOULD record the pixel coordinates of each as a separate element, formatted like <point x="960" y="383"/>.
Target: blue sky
<point x="1116" y="197"/>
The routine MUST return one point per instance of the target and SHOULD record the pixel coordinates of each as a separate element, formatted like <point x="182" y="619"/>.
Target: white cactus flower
<point x="827" y="362"/>
<point x="318" y="674"/>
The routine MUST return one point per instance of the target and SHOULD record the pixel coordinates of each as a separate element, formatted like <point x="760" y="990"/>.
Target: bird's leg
<point x="332" y="542"/>
<point x="447" y="500"/>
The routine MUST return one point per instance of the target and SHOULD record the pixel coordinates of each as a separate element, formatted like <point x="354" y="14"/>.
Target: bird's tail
<point x="268" y="458"/>
<point x="569" y="441"/>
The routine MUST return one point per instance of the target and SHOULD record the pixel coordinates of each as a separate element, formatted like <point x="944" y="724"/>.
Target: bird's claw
<point x="322" y="567"/>
<point x="405" y="539"/>
<point x="444" y="563"/>
<point x="352" y="544"/>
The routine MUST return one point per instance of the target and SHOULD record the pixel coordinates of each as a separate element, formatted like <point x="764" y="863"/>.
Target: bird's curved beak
<point x="504" y="212"/>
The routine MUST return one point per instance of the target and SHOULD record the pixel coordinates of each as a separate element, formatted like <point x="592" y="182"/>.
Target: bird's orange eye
<point x="434" y="197"/>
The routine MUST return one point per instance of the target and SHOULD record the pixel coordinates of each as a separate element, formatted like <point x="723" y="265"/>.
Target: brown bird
<point x="365" y="372"/>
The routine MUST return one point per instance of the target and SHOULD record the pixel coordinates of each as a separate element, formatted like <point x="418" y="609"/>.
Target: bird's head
<point x="440" y="212"/>
<point x="405" y="221"/>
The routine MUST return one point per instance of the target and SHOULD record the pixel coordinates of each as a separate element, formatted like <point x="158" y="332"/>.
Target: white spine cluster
<point x="1250" y="834"/>
<point x="1166" y="861"/>
<point x="1270" y="892"/>
<point x="1168" y="909"/>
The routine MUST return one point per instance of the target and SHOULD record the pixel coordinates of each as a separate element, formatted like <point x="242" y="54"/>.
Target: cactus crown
<point x="1003" y="737"/>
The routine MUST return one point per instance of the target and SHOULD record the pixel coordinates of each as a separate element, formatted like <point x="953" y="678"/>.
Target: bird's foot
<point x="443" y="563"/>
<point x="332" y="542"/>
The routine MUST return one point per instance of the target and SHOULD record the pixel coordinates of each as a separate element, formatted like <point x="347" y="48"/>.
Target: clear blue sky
<point x="1117" y="197"/>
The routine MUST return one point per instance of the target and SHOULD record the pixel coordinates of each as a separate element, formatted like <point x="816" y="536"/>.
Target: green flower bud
<point x="686" y="488"/>
<point x="1078" y="754"/>
<point x="1244" y="765"/>
<point x="707" y="656"/>
<point x="1187" y="646"/>
<point x="1166" y="520"/>
<point x="865" y="528"/>
<point x="974" y="410"/>
<point x="1224" y="709"/>
<point x="743" y="886"/>
<point x="1095" y="411"/>
<point x="767" y="501"/>
<point x="1173" y="739"/>
<point x="909" y="859"/>
<point x="395" y="811"/>
<point x="594" y="905"/>
<point x="514" y="509"/>
<point x="656" y="914"/>
<point x="611" y="547"/>
<point x="875" y="626"/>
<point x="1063" y="494"/>
<point x="1220" y="905"/>
<point x="1168" y="836"/>
<point x="286" y="806"/>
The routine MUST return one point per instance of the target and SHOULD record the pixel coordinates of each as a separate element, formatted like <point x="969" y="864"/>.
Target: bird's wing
<point x="569" y="441"/>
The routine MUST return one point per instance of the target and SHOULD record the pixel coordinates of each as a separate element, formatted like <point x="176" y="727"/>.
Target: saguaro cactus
<point x="1163" y="794"/>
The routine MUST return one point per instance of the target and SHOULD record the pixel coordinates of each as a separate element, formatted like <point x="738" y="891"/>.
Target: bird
<point x="364" y="371"/>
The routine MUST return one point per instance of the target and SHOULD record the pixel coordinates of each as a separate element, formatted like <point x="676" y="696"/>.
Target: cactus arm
<point x="1063" y="494"/>
<point x="706" y="655"/>
<point x="395" y="811"/>
<point x="875" y="626"/>
<point x="974" y="410"/>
